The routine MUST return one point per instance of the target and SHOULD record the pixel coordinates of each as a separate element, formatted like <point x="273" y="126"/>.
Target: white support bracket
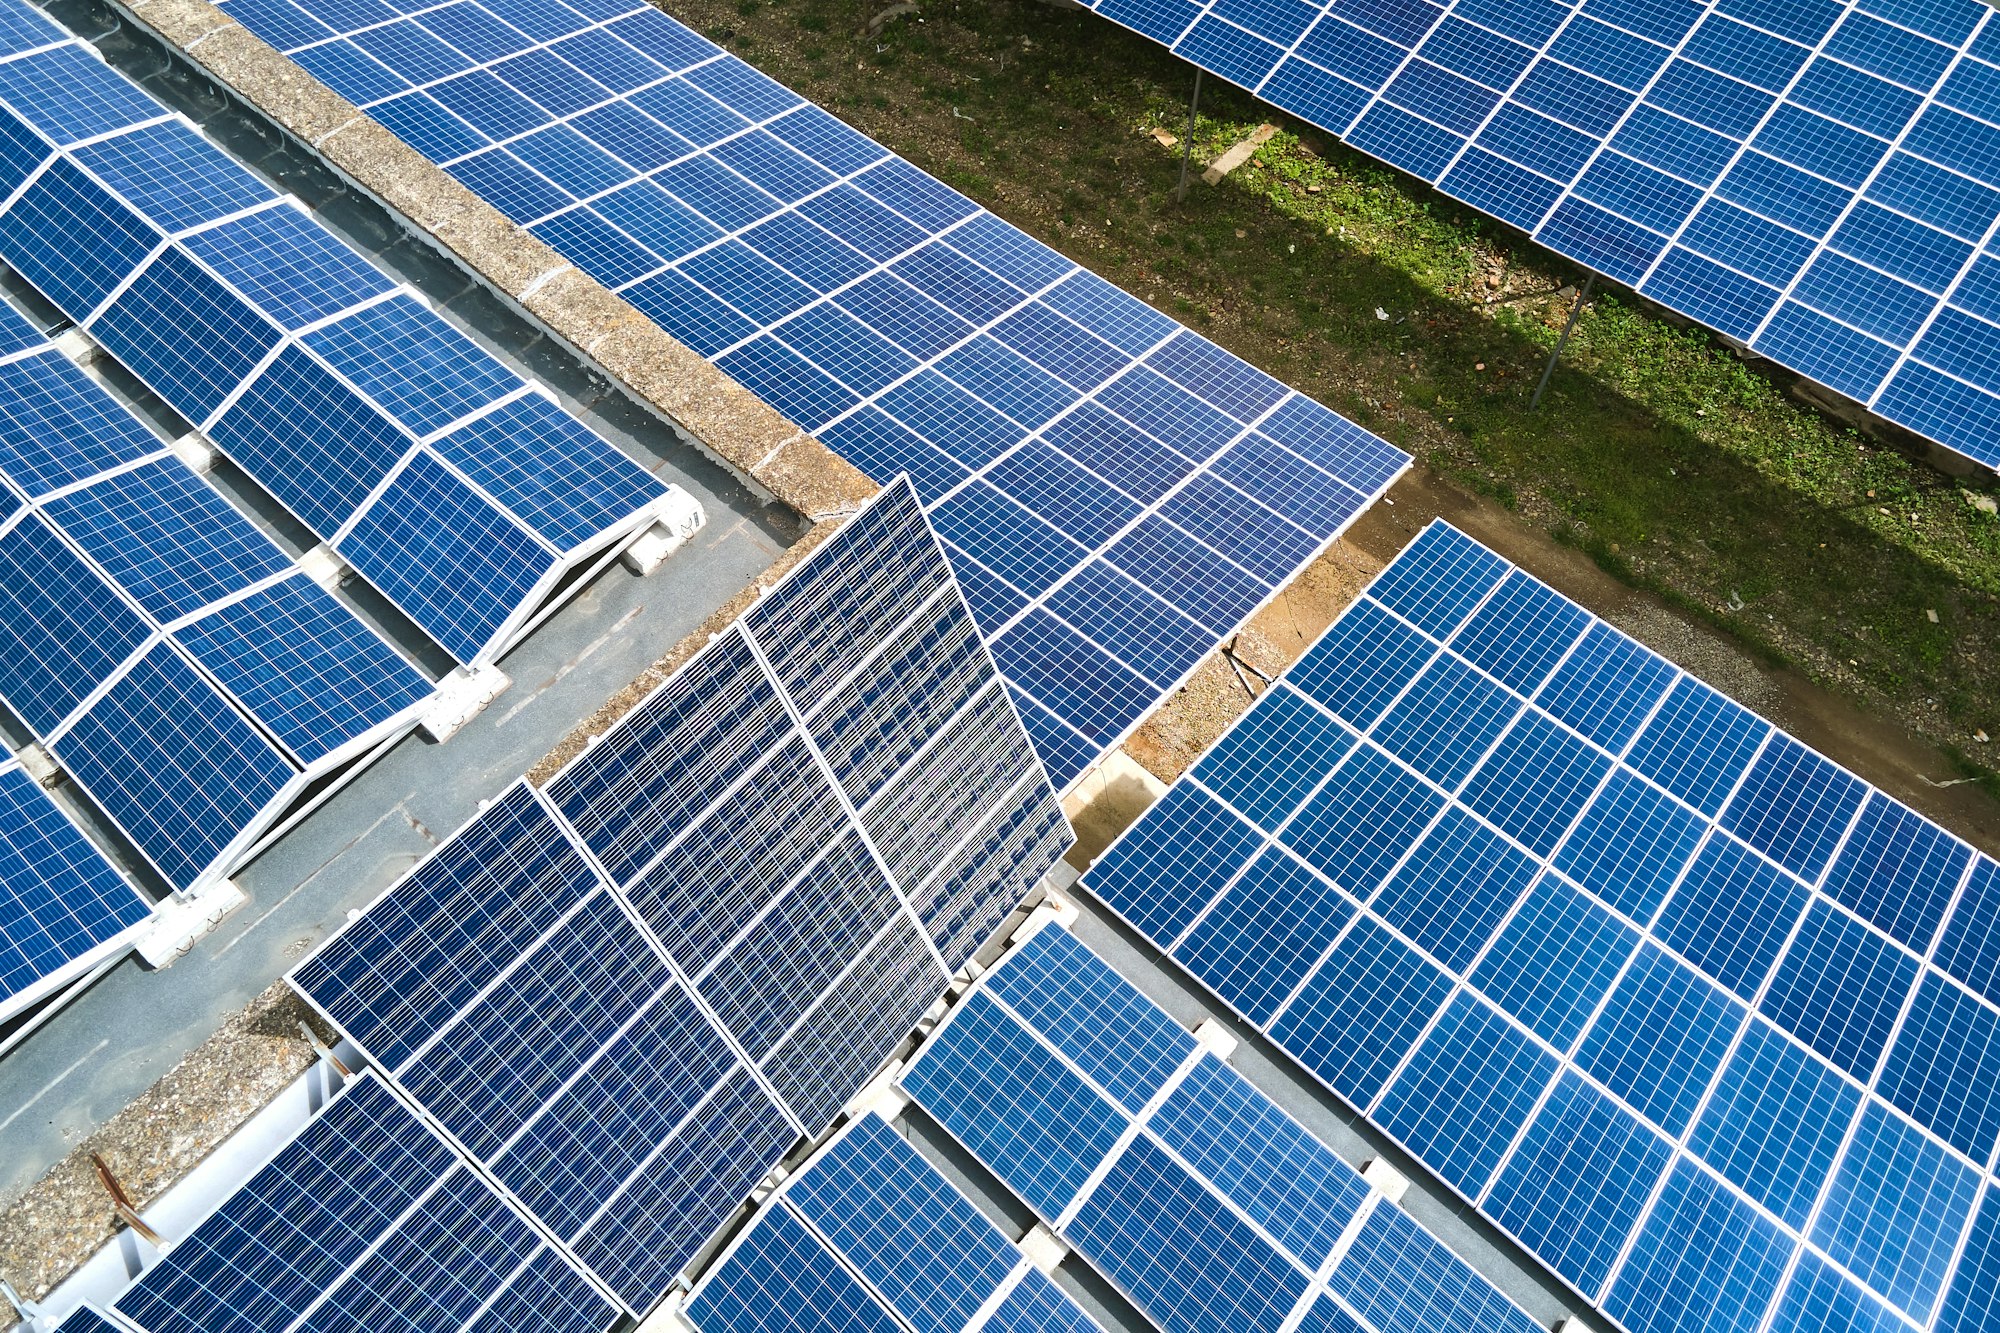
<point x="1390" y="1183"/>
<point x="79" y="347"/>
<point x="462" y="696"/>
<point x="1054" y="908"/>
<point x="677" y="516"/>
<point x="40" y="765"/>
<point x="1043" y="1249"/>
<point x="669" y="1316"/>
<point x="768" y="1186"/>
<point x="322" y="564"/>
<point x="183" y="919"/>
<point x="1212" y="1037"/>
<point x="881" y="1096"/>
<point x="194" y="449"/>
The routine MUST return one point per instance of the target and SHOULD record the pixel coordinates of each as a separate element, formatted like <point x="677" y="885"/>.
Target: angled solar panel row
<point x="1202" y="1201"/>
<point x="628" y="995"/>
<point x="63" y="907"/>
<point x="363" y="1219"/>
<point x="868" y="1237"/>
<point x="1118" y="493"/>
<point x="1621" y="962"/>
<point x="184" y="670"/>
<point x="1815" y="179"/>
<point x="457" y="489"/>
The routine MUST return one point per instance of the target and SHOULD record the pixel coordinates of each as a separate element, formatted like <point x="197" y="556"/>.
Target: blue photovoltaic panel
<point x="122" y="540"/>
<point x="175" y="765"/>
<point x="61" y="902"/>
<point x="363" y="1219"/>
<point x="705" y="949"/>
<point x="304" y="666"/>
<point x="200" y="279"/>
<point x="869" y="1236"/>
<point x="1719" y="959"/>
<point x="1816" y="180"/>
<point x="1206" y="1205"/>
<point x="1117" y="492"/>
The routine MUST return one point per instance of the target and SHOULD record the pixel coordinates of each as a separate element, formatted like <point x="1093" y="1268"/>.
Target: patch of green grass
<point x="1672" y="464"/>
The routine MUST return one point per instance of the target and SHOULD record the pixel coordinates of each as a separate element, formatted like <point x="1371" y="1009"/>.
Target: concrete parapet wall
<point x="715" y="411"/>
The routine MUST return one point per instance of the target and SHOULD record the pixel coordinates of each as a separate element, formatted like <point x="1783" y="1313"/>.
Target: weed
<point x="1673" y="465"/>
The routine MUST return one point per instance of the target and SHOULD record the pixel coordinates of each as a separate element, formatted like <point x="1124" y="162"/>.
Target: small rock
<point x="1871" y="495"/>
<point x="1314" y="189"/>
<point x="1479" y="365"/>
<point x="1240" y="233"/>
<point x="1981" y="737"/>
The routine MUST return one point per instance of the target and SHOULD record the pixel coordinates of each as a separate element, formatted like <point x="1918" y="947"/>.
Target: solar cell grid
<point x="252" y="321"/>
<point x="628" y="995"/>
<point x="365" y="1216"/>
<point x="869" y="1236"/>
<point x="123" y="541"/>
<point x="910" y="328"/>
<point x="1205" y="1204"/>
<point x="62" y="905"/>
<point x="1812" y="179"/>
<point x="1604" y="991"/>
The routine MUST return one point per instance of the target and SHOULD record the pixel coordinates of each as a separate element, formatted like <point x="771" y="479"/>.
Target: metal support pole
<point x="1187" y="141"/>
<point x="1582" y="298"/>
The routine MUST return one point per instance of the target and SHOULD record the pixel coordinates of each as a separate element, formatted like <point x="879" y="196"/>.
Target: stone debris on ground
<point x="66" y="1216"/>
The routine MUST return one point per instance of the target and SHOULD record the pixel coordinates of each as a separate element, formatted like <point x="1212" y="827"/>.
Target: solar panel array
<point x="1202" y="1201"/>
<point x="460" y="491"/>
<point x="186" y="672"/>
<point x="1818" y="180"/>
<point x="1117" y="492"/>
<point x="364" y="1219"/>
<point x="628" y="994"/>
<point x="869" y="1238"/>
<point x="62" y="905"/>
<point x="1618" y="960"/>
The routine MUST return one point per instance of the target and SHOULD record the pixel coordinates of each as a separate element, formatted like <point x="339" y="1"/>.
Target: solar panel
<point x="363" y="1219"/>
<point x="1816" y="180"/>
<point x="1117" y="492"/>
<point x="460" y="491"/>
<point x="63" y="908"/>
<point x="1202" y="1201"/>
<point x="180" y="665"/>
<point x="1618" y="960"/>
<point x="629" y="994"/>
<point x="867" y="1236"/>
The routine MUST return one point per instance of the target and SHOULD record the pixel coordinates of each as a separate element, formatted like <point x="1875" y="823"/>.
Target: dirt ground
<point x="1888" y="755"/>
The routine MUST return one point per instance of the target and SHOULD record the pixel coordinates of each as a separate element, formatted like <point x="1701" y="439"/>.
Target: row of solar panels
<point x="614" y="1003"/>
<point x="1620" y="962"/>
<point x="622" y="999"/>
<point x="1203" y="1203"/>
<point x="1818" y="180"/>
<point x="1118" y="493"/>
<point x="453" y="486"/>
<point x="177" y="663"/>
<point x="627" y="995"/>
